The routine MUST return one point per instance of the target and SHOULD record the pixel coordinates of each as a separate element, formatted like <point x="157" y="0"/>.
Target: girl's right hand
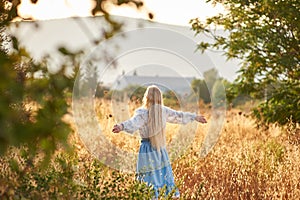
<point x="201" y="119"/>
<point x="117" y="128"/>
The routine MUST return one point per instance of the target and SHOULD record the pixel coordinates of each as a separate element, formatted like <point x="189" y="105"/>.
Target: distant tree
<point x="135" y="92"/>
<point x="101" y="91"/>
<point x="210" y="77"/>
<point x="200" y="88"/>
<point x="88" y="82"/>
<point x="265" y="36"/>
<point x="240" y="99"/>
<point x="170" y="99"/>
<point x="169" y="94"/>
<point x="218" y="93"/>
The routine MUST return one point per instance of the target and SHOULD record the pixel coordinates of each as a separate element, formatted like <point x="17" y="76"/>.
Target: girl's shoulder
<point x="141" y="110"/>
<point x="166" y="108"/>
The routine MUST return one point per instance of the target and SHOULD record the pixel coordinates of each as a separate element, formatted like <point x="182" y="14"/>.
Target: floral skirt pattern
<point x="154" y="168"/>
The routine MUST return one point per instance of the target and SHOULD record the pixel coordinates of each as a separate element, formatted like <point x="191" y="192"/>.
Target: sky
<point x="176" y="12"/>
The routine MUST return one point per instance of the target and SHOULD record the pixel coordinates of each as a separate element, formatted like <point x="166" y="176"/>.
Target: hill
<point x="174" y="46"/>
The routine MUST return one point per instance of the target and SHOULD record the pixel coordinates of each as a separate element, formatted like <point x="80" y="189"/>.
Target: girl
<point x="153" y="166"/>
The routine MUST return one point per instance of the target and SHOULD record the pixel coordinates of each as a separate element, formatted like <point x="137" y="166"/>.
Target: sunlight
<point x="168" y="11"/>
<point x="45" y="9"/>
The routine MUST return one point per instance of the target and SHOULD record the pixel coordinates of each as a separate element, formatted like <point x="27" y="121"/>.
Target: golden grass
<point x="246" y="162"/>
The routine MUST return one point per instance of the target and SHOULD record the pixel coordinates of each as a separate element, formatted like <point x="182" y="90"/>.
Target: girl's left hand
<point x="117" y="128"/>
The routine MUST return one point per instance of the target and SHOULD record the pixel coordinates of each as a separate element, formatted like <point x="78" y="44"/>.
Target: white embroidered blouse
<point x="140" y="118"/>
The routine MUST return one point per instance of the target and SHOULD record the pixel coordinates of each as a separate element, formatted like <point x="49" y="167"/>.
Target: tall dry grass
<point x="246" y="162"/>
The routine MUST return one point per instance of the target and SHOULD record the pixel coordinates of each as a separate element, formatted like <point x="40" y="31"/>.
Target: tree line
<point x="211" y="90"/>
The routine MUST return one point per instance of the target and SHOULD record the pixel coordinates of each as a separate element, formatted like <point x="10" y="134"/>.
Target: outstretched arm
<point x="131" y="125"/>
<point x="180" y="117"/>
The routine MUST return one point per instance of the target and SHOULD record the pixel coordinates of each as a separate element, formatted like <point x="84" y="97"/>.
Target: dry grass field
<point x="246" y="162"/>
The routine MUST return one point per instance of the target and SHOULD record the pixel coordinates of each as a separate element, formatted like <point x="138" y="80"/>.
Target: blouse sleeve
<point x="135" y="122"/>
<point x="179" y="117"/>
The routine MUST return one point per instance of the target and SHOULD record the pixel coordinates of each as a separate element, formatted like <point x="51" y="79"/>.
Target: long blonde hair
<point x="153" y="101"/>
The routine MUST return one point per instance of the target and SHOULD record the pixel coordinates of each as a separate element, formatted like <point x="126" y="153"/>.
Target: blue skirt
<point x="154" y="168"/>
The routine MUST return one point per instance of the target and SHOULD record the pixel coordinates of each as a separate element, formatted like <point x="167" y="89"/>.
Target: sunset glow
<point x="53" y="9"/>
<point x="167" y="11"/>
